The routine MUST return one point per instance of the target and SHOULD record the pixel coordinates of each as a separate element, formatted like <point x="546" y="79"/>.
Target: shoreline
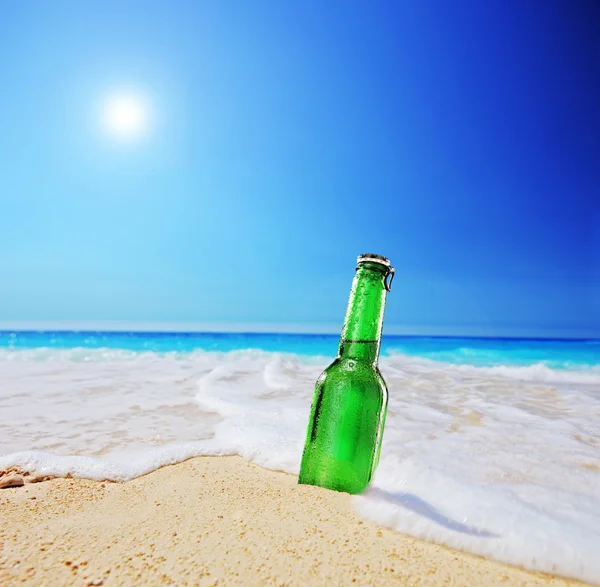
<point x="218" y="521"/>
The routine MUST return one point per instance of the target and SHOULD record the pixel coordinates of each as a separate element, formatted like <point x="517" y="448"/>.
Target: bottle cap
<point x="374" y="259"/>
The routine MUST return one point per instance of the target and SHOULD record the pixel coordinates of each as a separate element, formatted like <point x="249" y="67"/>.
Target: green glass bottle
<point x="349" y="405"/>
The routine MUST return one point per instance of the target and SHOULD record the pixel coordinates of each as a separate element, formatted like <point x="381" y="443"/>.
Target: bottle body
<point x="349" y="407"/>
<point x="346" y="424"/>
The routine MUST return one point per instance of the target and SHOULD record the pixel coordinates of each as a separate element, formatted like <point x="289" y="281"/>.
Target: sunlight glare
<point x="125" y="116"/>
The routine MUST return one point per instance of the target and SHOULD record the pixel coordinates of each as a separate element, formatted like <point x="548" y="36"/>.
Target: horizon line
<point x="285" y="329"/>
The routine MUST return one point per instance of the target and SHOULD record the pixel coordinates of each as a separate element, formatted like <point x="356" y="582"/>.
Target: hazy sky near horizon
<point x="273" y="142"/>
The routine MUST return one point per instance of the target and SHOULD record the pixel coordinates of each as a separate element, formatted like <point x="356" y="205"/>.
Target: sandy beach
<point x="217" y="521"/>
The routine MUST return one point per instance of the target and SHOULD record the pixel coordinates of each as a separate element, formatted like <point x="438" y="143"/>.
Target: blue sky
<point x="460" y="139"/>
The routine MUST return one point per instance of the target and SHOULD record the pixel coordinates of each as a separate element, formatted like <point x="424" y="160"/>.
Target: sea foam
<point x="502" y="461"/>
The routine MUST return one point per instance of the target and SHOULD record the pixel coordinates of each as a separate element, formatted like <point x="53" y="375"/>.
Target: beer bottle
<point x="349" y="405"/>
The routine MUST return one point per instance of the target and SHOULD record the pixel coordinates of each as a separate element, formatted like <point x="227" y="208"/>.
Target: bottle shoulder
<point x="349" y="369"/>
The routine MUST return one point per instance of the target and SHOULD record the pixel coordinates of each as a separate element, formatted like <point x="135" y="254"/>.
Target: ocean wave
<point x="541" y="372"/>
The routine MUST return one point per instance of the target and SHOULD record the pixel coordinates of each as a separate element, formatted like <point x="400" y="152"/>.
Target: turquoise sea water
<point x="480" y="352"/>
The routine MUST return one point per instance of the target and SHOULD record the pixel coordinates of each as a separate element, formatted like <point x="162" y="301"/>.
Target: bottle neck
<point x="361" y="334"/>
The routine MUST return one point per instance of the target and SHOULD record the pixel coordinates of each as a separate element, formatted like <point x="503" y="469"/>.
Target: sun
<point x="125" y="115"/>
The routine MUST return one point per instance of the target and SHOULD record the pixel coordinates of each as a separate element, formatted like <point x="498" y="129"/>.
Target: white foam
<point x="500" y="461"/>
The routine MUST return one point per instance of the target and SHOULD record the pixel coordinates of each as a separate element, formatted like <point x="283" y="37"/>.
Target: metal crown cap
<point x="374" y="259"/>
